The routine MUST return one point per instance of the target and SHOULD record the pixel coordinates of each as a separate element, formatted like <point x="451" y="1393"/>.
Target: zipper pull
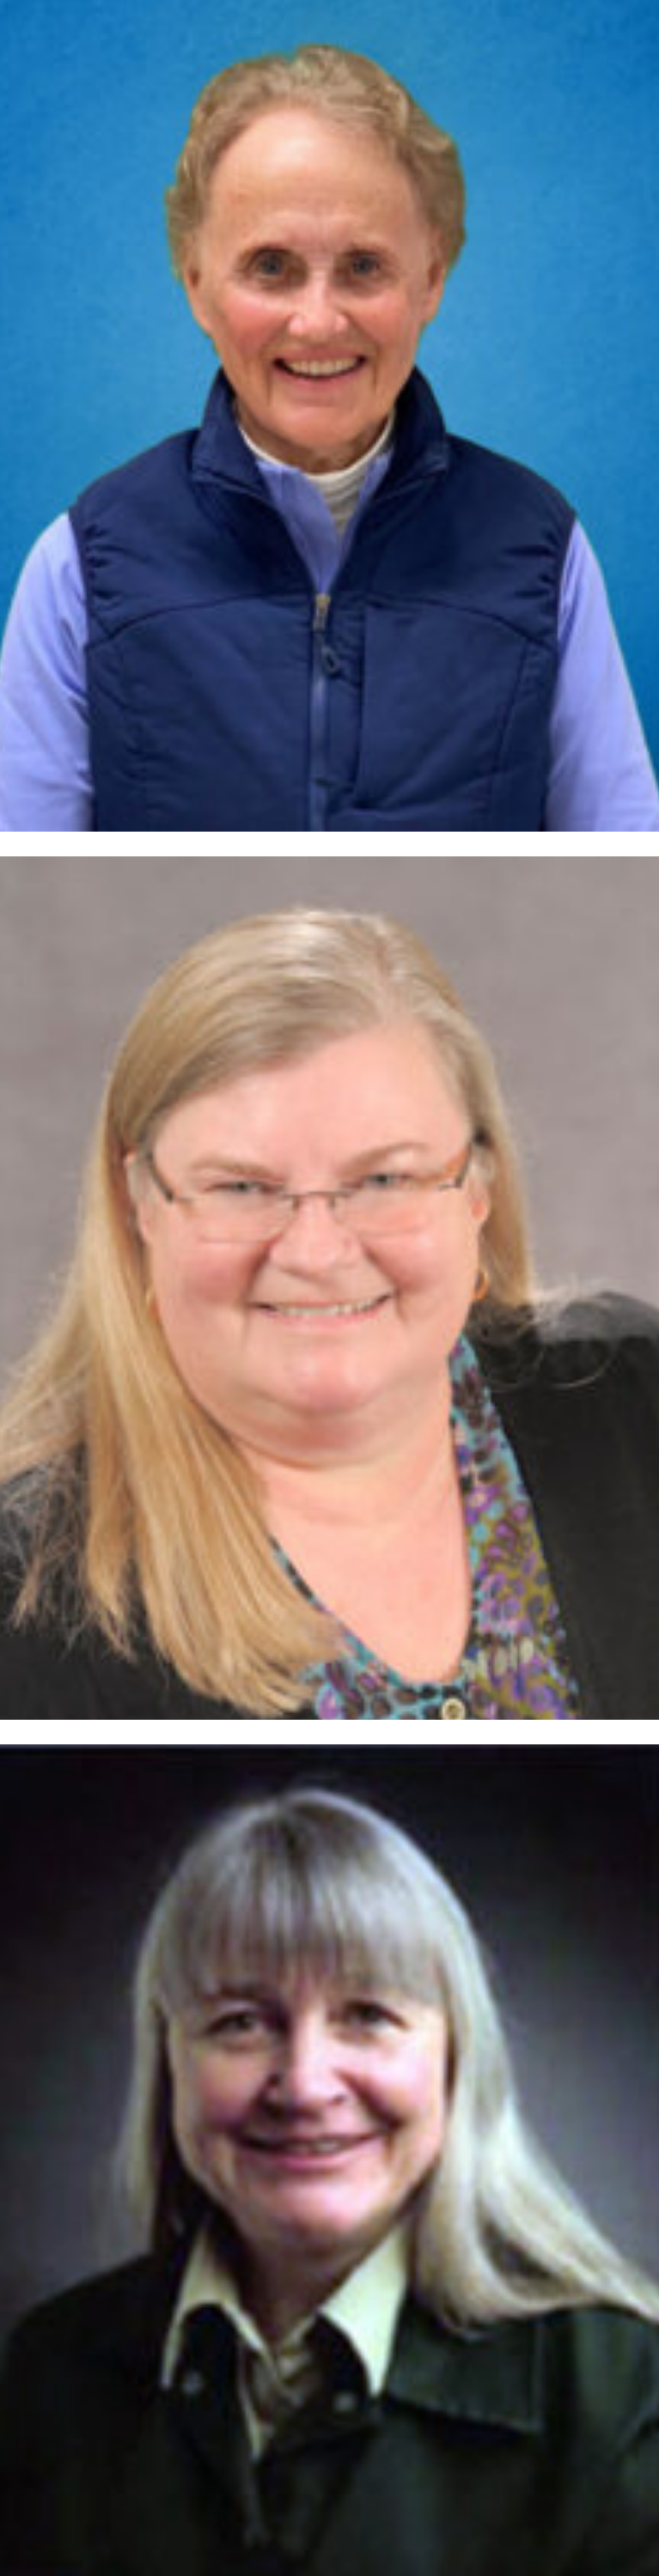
<point x="323" y="602"/>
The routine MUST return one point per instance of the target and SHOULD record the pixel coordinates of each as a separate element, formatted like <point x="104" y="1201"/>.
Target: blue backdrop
<point x="546" y="344"/>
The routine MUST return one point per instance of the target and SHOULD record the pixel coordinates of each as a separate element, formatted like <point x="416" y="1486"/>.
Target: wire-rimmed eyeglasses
<point x="381" y="1203"/>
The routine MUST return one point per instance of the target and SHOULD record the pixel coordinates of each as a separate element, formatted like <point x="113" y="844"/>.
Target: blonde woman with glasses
<point x="303" y="1435"/>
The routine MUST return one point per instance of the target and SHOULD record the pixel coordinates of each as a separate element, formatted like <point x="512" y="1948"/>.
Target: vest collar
<point x="220" y="454"/>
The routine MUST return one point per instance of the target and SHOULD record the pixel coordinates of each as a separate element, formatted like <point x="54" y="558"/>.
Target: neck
<point x="279" y="2293"/>
<point x="316" y="464"/>
<point x="408" y="1475"/>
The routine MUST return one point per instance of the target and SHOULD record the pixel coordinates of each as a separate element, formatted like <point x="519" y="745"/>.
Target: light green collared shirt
<point x="274" y="2379"/>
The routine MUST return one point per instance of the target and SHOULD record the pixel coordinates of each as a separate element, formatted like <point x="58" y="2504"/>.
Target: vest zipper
<point x="318" y="715"/>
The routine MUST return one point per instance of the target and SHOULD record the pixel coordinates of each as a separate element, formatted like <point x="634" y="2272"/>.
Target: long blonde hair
<point x="129" y="1503"/>
<point x="325" y="1879"/>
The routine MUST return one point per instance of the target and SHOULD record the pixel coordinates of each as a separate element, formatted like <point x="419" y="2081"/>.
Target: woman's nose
<point x="317" y="310"/>
<point x="306" y="2075"/>
<point x="314" y="1230"/>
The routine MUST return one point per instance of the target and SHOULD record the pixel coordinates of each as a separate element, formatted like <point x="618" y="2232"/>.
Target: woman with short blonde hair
<point x="372" y="625"/>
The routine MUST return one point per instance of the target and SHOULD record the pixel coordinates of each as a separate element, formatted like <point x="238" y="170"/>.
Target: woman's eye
<point x="239" y="1189"/>
<point x="386" y="1184"/>
<point x="240" y="2022"/>
<point x="269" y="264"/>
<point x="368" y="2014"/>
<point x="364" y="263"/>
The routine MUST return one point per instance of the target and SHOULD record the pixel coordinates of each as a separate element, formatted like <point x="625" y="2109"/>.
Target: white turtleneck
<point x="341" y="488"/>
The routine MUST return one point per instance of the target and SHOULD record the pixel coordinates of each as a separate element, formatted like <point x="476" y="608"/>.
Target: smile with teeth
<point x="320" y="366"/>
<point x="355" y="1306"/>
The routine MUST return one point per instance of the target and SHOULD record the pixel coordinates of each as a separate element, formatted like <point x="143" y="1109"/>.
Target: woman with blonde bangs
<point x="302" y="1434"/>
<point x="370" y="2313"/>
<point x="371" y="624"/>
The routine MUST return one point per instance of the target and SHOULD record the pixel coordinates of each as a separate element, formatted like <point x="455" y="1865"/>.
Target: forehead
<point x="318" y="1989"/>
<point x="291" y="164"/>
<point x="375" y="1087"/>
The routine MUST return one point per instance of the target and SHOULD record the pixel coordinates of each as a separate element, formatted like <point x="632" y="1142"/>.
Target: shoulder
<point x="608" y="1321"/>
<point x="608" y="1332"/>
<point x="506" y="477"/>
<point x="575" y="1342"/>
<point x="484" y="471"/>
<point x="53" y="1664"/>
<point x="604" y="2359"/>
<point x="32" y="1506"/>
<point x="77" y="2371"/>
<point x="55" y="1660"/>
<point x="594" y="2368"/>
<point x="598" y="2409"/>
<point x="155" y="470"/>
<point x="120" y="2310"/>
<point x="50" y="572"/>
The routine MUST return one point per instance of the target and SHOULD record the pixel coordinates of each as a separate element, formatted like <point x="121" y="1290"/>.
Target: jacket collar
<point x="221" y="455"/>
<point x="490" y="2377"/>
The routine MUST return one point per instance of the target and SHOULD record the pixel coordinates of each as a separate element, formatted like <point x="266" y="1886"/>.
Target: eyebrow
<point x="244" y="1168"/>
<point x="240" y="1164"/>
<point x="292" y="250"/>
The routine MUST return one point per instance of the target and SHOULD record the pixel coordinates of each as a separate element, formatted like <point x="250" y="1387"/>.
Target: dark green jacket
<point x="530" y="2449"/>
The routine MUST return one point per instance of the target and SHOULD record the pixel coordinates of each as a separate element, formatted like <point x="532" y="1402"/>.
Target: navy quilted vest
<point x="218" y="702"/>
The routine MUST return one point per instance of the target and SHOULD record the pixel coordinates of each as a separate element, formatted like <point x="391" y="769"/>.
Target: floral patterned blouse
<point x="515" y="1661"/>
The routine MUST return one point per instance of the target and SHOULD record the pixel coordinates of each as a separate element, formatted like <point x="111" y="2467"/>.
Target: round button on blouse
<point x="453" y="1706"/>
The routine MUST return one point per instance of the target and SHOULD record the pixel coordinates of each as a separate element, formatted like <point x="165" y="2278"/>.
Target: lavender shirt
<point x="600" y="773"/>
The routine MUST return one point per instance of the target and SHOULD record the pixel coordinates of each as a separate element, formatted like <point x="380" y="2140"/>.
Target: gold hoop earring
<point x="481" y="1285"/>
<point x="150" y="1298"/>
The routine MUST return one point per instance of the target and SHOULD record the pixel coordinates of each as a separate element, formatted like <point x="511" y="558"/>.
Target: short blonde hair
<point x="346" y="87"/>
<point x="325" y="1879"/>
<point x="147" y="1507"/>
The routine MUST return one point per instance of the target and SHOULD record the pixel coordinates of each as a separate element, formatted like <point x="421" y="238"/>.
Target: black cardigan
<point x="578" y="1394"/>
<point x="532" y="2446"/>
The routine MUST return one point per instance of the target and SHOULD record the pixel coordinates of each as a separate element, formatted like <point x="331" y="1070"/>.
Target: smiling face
<point x="315" y="1344"/>
<point x="313" y="272"/>
<point x="311" y="2114"/>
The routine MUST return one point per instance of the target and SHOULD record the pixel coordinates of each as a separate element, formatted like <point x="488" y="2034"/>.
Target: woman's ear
<point x="138" y="1194"/>
<point x="480" y="1178"/>
<point x="192" y="280"/>
<point x="480" y="1199"/>
<point x="436" y="274"/>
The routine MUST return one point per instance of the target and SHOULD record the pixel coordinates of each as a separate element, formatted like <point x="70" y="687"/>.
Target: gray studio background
<point x="557" y="957"/>
<point x="554" y="1850"/>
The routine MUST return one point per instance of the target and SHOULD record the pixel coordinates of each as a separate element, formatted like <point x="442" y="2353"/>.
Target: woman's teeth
<point x="357" y="1306"/>
<point x="321" y="366"/>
